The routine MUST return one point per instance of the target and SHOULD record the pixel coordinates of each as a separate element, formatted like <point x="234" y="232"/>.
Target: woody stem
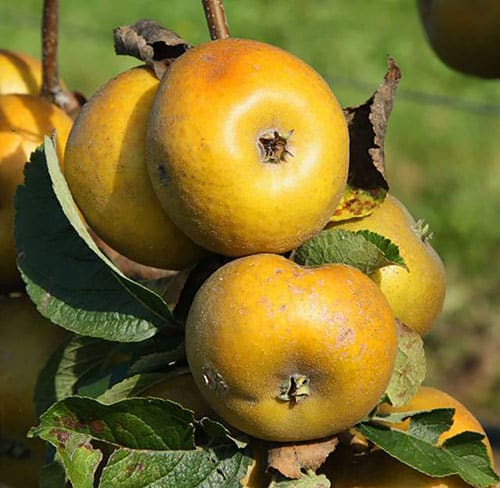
<point x="50" y="78"/>
<point x="51" y="88"/>
<point x="216" y="19"/>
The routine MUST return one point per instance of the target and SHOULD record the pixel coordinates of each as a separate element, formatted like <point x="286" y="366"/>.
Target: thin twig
<point x="50" y="76"/>
<point x="51" y="88"/>
<point x="216" y="19"/>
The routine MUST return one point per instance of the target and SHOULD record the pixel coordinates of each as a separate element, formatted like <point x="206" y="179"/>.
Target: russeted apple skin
<point x="262" y="325"/>
<point x="107" y="175"/>
<point x="247" y="147"/>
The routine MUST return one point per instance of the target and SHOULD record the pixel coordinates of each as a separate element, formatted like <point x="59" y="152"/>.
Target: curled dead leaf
<point x="293" y="460"/>
<point x="367" y="123"/>
<point x="367" y="126"/>
<point x="150" y="42"/>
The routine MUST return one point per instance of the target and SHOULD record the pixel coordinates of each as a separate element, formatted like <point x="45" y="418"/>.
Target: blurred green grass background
<point x="442" y="146"/>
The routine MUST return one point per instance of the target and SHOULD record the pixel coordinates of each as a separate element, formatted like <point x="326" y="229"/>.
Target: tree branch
<point x="216" y="19"/>
<point x="51" y="88"/>
<point x="50" y="79"/>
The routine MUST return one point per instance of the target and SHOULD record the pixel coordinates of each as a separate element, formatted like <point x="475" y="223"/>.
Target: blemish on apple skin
<point x="252" y="402"/>
<point x="266" y="303"/>
<point x="346" y="336"/>
<point x="162" y="174"/>
<point x="207" y="58"/>
<point x="296" y="290"/>
<point x="214" y="381"/>
<point x="338" y="318"/>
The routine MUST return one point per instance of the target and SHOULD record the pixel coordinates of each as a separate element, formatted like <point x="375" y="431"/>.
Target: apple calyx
<point x="214" y="381"/>
<point x="274" y="147"/>
<point x="423" y="230"/>
<point x="295" y="389"/>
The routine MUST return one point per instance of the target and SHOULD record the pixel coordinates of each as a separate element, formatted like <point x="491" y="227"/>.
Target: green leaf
<point x="428" y="426"/>
<point x="219" y="468"/>
<point x="366" y="251"/>
<point x="469" y="446"/>
<point x="71" y="281"/>
<point x="168" y="342"/>
<point x="409" y="369"/>
<point x="132" y="386"/>
<point x="96" y="386"/>
<point x="136" y="423"/>
<point x="158" y="360"/>
<point x="397" y="417"/>
<point x="388" y="248"/>
<point x="309" y="480"/>
<point x="53" y="475"/>
<point x="463" y="455"/>
<point x="145" y="442"/>
<point x="74" y="360"/>
<point x="219" y="433"/>
<point x="80" y="460"/>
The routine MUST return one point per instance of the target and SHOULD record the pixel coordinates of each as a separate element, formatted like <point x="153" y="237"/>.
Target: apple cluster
<point x="240" y="150"/>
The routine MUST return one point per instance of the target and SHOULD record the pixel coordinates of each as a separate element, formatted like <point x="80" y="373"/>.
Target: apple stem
<point x="51" y="88"/>
<point x="216" y="19"/>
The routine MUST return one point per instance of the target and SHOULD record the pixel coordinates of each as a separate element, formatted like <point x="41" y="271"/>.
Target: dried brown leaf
<point x="358" y="202"/>
<point x="292" y="460"/>
<point x="150" y="42"/>
<point x="367" y="125"/>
